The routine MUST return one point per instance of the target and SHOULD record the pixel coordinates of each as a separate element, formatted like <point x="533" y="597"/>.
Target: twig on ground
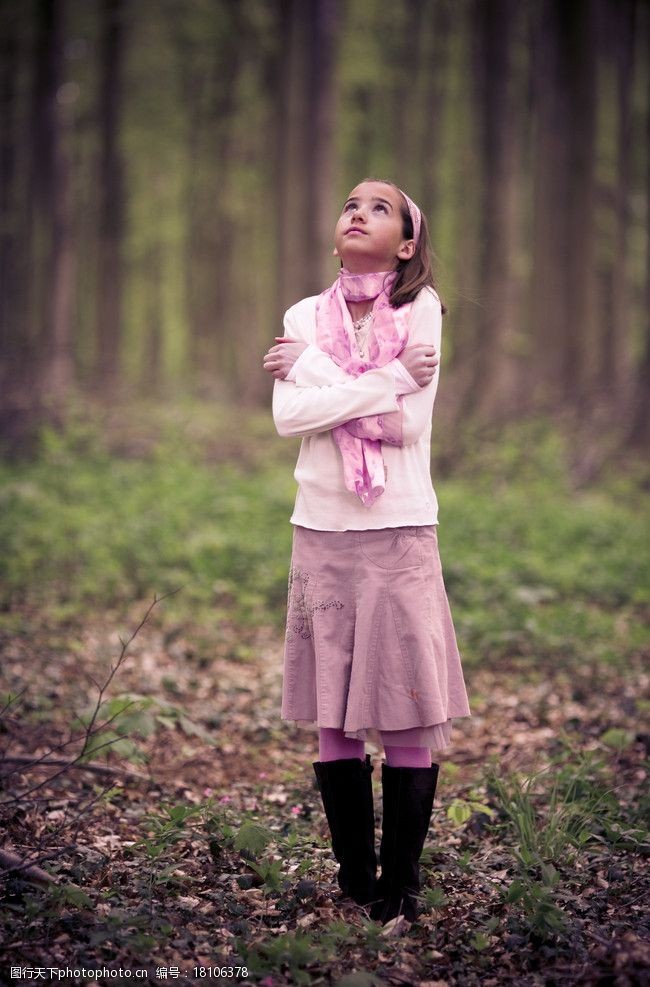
<point x="11" y="863"/>
<point x="92" y="727"/>
<point x="108" y="769"/>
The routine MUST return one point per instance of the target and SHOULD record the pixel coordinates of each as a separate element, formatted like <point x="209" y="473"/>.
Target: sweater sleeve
<point x="314" y="366"/>
<point x="426" y="327"/>
<point x="309" y="410"/>
<point x="325" y="403"/>
<point x="404" y="425"/>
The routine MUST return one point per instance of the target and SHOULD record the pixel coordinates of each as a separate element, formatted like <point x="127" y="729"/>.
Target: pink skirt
<point x="370" y="647"/>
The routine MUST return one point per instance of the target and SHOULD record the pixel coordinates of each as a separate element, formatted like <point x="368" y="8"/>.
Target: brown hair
<point x="416" y="273"/>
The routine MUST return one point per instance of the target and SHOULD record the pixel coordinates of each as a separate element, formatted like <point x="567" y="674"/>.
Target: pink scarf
<point x="363" y="463"/>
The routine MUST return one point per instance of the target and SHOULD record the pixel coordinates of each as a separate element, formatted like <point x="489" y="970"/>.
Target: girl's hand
<point x="280" y="359"/>
<point x="421" y="361"/>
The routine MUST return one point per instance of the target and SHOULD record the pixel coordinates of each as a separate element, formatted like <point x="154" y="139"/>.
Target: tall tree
<point x="16" y="352"/>
<point x="578" y="67"/>
<point x="639" y="432"/>
<point x="110" y="275"/>
<point x="494" y="386"/>
<point x="317" y="24"/>
<point x="563" y="262"/>
<point x="549" y="278"/>
<point x="437" y="29"/>
<point x="285" y="72"/>
<point x="212" y="42"/>
<point x="151" y="377"/>
<point x="617" y="36"/>
<point x="8" y="153"/>
<point x="52" y="204"/>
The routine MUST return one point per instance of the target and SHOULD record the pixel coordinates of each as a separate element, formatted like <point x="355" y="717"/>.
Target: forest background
<point x="172" y="172"/>
<point x="170" y="176"/>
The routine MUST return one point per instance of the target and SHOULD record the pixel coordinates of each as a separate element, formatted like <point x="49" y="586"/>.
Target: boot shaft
<point x="346" y="790"/>
<point x="408" y="795"/>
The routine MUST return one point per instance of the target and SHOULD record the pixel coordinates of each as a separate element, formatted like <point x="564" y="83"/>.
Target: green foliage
<point x="535" y="571"/>
<point x="617" y="739"/>
<point x="271" y="873"/>
<point x="291" y="952"/>
<point x="167" y="827"/>
<point x="253" y="837"/>
<point x="550" y="821"/>
<point x="548" y="818"/>
<point x="361" y="978"/>
<point x="543" y="917"/>
<point x="68" y="894"/>
<point x="460" y="810"/>
<point x="434" y="898"/>
<point x="128" y="716"/>
<point x="80" y="526"/>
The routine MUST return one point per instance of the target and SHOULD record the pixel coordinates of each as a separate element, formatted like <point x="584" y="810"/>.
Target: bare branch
<point x="122" y="656"/>
<point x="92" y="727"/>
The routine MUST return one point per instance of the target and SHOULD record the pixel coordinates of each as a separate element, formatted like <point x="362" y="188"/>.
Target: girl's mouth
<point x="355" y="229"/>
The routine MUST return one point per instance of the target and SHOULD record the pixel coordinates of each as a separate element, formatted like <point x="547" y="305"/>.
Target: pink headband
<point x="416" y="217"/>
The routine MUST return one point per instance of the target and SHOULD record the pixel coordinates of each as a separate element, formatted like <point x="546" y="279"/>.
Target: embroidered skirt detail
<point x="370" y="646"/>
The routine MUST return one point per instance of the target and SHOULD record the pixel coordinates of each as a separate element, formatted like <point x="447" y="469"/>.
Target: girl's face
<point x="369" y="234"/>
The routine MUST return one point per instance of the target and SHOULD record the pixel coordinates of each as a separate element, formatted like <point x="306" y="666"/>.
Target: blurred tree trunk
<point x="152" y="368"/>
<point x="411" y="114"/>
<point x="304" y="148"/>
<point x="13" y="341"/>
<point x="209" y="80"/>
<point x="577" y="37"/>
<point x="286" y="122"/>
<point x="494" y="386"/>
<point x="313" y="229"/>
<point x="437" y="30"/>
<point x="52" y="209"/>
<point x="9" y="238"/>
<point x="550" y="261"/>
<point x="563" y="269"/>
<point x="615" y="370"/>
<point x="222" y="321"/>
<point x="193" y="74"/>
<point x="110" y="274"/>
<point x="639" y="433"/>
<point x="465" y="118"/>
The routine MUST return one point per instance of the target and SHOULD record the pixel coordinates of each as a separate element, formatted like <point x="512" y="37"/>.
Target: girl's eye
<point x="381" y="206"/>
<point x="348" y="206"/>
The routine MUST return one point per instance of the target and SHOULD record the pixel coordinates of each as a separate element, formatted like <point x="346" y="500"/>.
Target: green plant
<point x="434" y="898"/>
<point x="291" y="952"/>
<point x="563" y="820"/>
<point x="460" y="810"/>
<point x="542" y="916"/>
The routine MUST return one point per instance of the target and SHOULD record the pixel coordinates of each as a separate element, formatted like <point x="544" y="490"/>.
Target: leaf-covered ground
<point x="165" y="862"/>
<point x="197" y="839"/>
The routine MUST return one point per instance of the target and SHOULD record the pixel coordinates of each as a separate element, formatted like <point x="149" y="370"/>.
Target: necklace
<point x="360" y="323"/>
<point x="362" y="328"/>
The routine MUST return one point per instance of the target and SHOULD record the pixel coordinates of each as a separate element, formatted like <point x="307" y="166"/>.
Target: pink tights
<point x="334" y="745"/>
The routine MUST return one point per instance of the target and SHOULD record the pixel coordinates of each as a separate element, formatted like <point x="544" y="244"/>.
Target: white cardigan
<point x="318" y="394"/>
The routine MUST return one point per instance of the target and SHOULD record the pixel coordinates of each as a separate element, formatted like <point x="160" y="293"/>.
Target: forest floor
<point x="155" y="872"/>
<point x="176" y="818"/>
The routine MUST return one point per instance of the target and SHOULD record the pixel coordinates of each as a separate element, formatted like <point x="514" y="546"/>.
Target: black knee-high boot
<point x="408" y="802"/>
<point x="346" y="789"/>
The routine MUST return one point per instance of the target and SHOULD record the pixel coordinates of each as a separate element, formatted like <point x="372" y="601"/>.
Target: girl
<point x="370" y="650"/>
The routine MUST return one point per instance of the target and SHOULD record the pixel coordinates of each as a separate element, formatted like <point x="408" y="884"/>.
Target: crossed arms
<point x="387" y="403"/>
